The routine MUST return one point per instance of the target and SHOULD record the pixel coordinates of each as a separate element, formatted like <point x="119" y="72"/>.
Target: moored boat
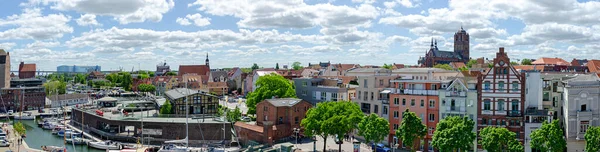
<point x="57" y="129"/>
<point x="53" y="149"/>
<point x="24" y="116"/>
<point x="106" y="145"/>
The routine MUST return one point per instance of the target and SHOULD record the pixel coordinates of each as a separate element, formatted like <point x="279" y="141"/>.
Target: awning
<point x="386" y="91"/>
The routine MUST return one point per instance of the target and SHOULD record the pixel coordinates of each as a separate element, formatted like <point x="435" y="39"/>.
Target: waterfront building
<point x="26" y="98"/>
<point x="460" y="54"/>
<point x="96" y="75"/>
<point x="275" y="119"/>
<point x="580" y="108"/>
<point x="57" y="101"/>
<point x="26" y="71"/>
<point x="501" y="97"/>
<point x="315" y="90"/>
<point x="199" y="102"/>
<point x="5" y="74"/>
<point x="459" y="98"/>
<point x="77" y="69"/>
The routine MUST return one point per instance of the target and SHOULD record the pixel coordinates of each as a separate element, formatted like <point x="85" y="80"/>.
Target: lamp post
<point x="296" y="131"/>
<point x="314" y="139"/>
<point x="394" y="144"/>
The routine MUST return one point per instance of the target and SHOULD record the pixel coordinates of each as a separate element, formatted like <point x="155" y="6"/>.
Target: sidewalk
<point x="13" y="138"/>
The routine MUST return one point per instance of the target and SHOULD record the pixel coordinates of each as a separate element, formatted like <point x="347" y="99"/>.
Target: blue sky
<point x="236" y="33"/>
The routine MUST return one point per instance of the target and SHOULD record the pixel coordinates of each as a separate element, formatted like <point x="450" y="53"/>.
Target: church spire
<point x="435" y="43"/>
<point x="207" y="59"/>
<point x="431" y="42"/>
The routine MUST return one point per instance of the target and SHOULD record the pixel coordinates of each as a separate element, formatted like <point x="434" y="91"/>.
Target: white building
<point x="257" y="74"/>
<point x="535" y="112"/>
<point x="68" y="100"/>
<point x="580" y="108"/>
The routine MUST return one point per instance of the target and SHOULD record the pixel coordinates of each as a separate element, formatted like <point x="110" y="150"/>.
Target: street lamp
<point x="296" y="131"/>
<point x="394" y="144"/>
<point x="314" y="139"/>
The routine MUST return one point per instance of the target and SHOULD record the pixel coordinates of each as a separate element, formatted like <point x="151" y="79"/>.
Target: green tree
<point x="171" y="73"/>
<point x="297" y="65"/>
<point x="19" y="128"/>
<point x="269" y="86"/>
<point x="443" y="66"/>
<point x="454" y="133"/>
<point x="496" y="139"/>
<point x="166" y="108"/>
<point x="411" y="129"/>
<point x="234" y="115"/>
<point x="331" y="119"/>
<point x="55" y="87"/>
<point x="146" y="88"/>
<point x="549" y="137"/>
<point x="125" y="80"/>
<point x="526" y="62"/>
<point x="471" y="63"/>
<point x="254" y="66"/>
<point x="143" y="76"/>
<point x="80" y="78"/>
<point x="373" y="128"/>
<point x="353" y="82"/>
<point x="113" y="77"/>
<point x="514" y="63"/>
<point x="276" y="66"/>
<point x="150" y="73"/>
<point x="463" y="69"/>
<point x="221" y="110"/>
<point x="592" y="138"/>
<point x="387" y="66"/>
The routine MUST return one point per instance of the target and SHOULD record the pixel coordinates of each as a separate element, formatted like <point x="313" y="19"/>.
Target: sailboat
<point x="176" y="145"/>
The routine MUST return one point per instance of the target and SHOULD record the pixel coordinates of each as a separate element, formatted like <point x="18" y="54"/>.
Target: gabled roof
<point x="30" y="67"/>
<point x="231" y="72"/>
<point x="216" y="74"/>
<point x="182" y="92"/>
<point x="457" y="81"/>
<point x="579" y="62"/>
<point x="344" y="67"/>
<point x="594" y="66"/>
<point x="529" y="67"/>
<point x="550" y="61"/>
<point x="96" y="73"/>
<point x="457" y="65"/>
<point x="284" y="102"/>
<point x="197" y="69"/>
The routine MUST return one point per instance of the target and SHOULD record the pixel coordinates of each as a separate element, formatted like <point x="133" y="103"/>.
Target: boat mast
<point x="187" y="139"/>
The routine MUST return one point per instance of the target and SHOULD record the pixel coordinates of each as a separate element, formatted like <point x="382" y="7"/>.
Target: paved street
<point x="307" y="145"/>
<point x="232" y="105"/>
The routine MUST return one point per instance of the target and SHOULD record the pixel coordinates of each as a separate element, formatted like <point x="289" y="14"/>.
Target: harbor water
<point x="37" y="137"/>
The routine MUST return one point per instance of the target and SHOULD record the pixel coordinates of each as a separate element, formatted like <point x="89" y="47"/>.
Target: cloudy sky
<point x="128" y="33"/>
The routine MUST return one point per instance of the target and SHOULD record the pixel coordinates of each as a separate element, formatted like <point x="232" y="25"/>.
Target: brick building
<point x="275" y="119"/>
<point x="26" y="70"/>
<point x="501" y="97"/>
<point x="26" y="98"/>
<point x="460" y="54"/>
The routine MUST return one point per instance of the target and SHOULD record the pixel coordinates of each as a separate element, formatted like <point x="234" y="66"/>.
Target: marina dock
<point x="79" y="130"/>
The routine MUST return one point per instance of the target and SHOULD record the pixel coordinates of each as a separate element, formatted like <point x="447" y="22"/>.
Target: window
<point x="334" y="97"/>
<point x="515" y="105"/>
<point x="380" y="82"/>
<point x="385" y="110"/>
<point x="431" y="103"/>
<point x="433" y="86"/>
<point x="486" y="104"/>
<point x="395" y="126"/>
<point x="583" y="126"/>
<point x="376" y="109"/>
<point x="323" y="95"/>
<point x="546" y="96"/>
<point x="412" y="102"/>
<point x="372" y="96"/>
<point x="403" y="101"/>
<point x="483" y="121"/>
<point x="359" y="92"/>
<point x="296" y="120"/>
<point x="365" y="107"/>
<point x="501" y="85"/>
<point x="515" y="86"/>
<point x="395" y="114"/>
<point x="314" y="94"/>
<point x="280" y="120"/>
<point x="500" y="105"/>
<point x="422" y="117"/>
<point x="431" y="117"/>
<point x="304" y="92"/>
<point x="304" y="84"/>
<point x="422" y="103"/>
<point x="503" y="122"/>
<point x="265" y="108"/>
<point x="266" y="118"/>
<point x="583" y="107"/>
<point x="396" y="101"/>
<point x="430" y="130"/>
<point x="489" y="121"/>
<point x="365" y="83"/>
<point x="486" y="85"/>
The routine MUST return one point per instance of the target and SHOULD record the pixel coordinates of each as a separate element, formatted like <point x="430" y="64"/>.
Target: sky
<point x="139" y="34"/>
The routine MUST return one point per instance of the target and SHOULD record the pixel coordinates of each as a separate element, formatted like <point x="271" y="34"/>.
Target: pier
<point x="84" y="133"/>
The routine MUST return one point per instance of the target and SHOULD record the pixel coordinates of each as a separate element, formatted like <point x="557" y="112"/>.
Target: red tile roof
<point x="398" y="66"/>
<point x="27" y="67"/>
<point x="344" y="67"/>
<point x="193" y="69"/>
<point x="594" y="66"/>
<point x="254" y="128"/>
<point x="550" y="61"/>
<point x="529" y="67"/>
<point x="457" y="65"/>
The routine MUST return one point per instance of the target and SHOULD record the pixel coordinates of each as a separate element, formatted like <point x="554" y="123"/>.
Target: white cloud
<point x="42" y="44"/>
<point x="31" y="24"/>
<point x="7" y="46"/>
<point x="124" y="11"/>
<point x="87" y="19"/>
<point x="196" y="18"/>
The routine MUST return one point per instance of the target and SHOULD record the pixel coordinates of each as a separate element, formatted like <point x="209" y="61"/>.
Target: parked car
<point x="380" y="148"/>
<point x="246" y="119"/>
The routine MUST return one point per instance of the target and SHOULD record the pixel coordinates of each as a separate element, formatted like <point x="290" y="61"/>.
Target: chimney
<point x="501" y="49"/>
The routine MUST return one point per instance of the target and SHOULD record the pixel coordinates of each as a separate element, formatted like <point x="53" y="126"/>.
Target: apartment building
<point x="501" y="95"/>
<point x="315" y="90"/>
<point x="539" y="108"/>
<point x="580" y="108"/>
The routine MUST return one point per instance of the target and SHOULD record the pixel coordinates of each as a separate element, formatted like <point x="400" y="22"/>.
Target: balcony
<point x="582" y="114"/>
<point x="514" y="113"/>
<point x="456" y="94"/>
<point x="421" y="92"/>
<point x="455" y="109"/>
<point x="536" y="112"/>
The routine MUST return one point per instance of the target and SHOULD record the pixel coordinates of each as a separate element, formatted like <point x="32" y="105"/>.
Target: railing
<point x="536" y="112"/>
<point x="586" y="113"/>
<point x="385" y="101"/>
<point x="456" y="94"/>
<point x="420" y="92"/>
<point x="514" y="113"/>
<point x="455" y="109"/>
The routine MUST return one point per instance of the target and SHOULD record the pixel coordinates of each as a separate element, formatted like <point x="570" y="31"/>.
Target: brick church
<point x="461" y="51"/>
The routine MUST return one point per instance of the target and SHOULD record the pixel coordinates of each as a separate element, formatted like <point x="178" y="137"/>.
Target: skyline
<point x="237" y="33"/>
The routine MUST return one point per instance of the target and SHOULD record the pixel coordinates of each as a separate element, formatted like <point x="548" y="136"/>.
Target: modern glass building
<point x="77" y="69"/>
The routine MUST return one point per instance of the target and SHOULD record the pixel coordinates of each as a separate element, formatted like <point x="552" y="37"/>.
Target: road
<point x="232" y="105"/>
<point x="308" y="145"/>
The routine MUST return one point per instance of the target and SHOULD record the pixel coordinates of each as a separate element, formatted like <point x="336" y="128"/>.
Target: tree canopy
<point x="592" y="138"/>
<point x="276" y="66"/>
<point x="20" y="128"/>
<point x="549" y="137"/>
<point x="297" y="65"/>
<point x="254" y="66"/>
<point x="443" y="66"/>
<point x="526" y="62"/>
<point x="171" y="73"/>
<point x="234" y="115"/>
<point x="146" y="88"/>
<point x="496" y="139"/>
<point x="269" y="86"/>
<point x="471" y="63"/>
<point x="387" y="66"/>
<point x="55" y="87"/>
<point x="373" y="128"/>
<point x="331" y="118"/>
<point x="411" y="129"/>
<point x="166" y="108"/>
<point x="454" y="133"/>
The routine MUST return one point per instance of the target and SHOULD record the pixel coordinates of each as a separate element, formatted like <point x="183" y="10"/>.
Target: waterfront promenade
<point x="13" y="138"/>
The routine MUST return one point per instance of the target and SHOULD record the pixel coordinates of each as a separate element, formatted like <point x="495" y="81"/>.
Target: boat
<point x="57" y="129"/>
<point x="173" y="148"/>
<point x="62" y="132"/>
<point x="78" y="140"/>
<point x="106" y="145"/>
<point x="54" y="149"/>
<point x="24" y="116"/>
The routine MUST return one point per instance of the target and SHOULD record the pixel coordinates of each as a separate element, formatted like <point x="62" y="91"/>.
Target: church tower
<point x="461" y="44"/>
<point x="206" y="62"/>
